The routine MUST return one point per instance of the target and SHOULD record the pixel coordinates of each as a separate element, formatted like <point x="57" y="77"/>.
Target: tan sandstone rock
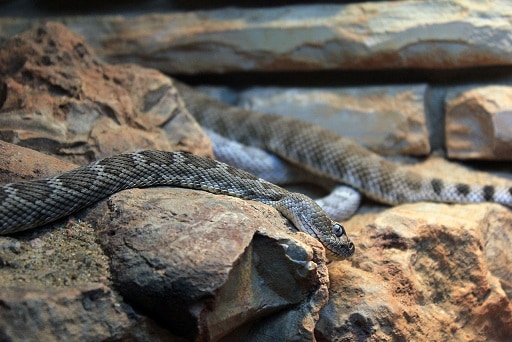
<point x="479" y="123"/>
<point x="18" y="163"/>
<point x="59" y="98"/>
<point x="371" y="35"/>
<point x="423" y="272"/>
<point x="388" y="120"/>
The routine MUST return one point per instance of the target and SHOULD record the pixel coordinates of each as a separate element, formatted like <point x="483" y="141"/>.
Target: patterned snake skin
<point x="29" y="204"/>
<point x="326" y="154"/>
<point x="340" y="204"/>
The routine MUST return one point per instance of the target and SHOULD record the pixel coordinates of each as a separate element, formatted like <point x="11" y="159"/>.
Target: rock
<point x="55" y="286"/>
<point x="61" y="99"/>
<point x="19" y="163"/>
<point x="422" y="272"/>
<point x="226" y="267"/>
<point x="209" y="267"/>
<point x="372" y="35"/>
<point x="479" y="123"/>
<point x="87" y="313"/>
<point x="386" y="119"/>
<point x="231" y="272"/>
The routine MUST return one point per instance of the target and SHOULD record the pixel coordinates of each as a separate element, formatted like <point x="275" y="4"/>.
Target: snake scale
<point x="30" y="204"/>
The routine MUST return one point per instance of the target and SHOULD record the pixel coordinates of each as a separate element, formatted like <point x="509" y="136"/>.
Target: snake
<point x="322" y="153"/>
<point x="325" y="154"/>
<point x="30" y="204"/>
<point x="340" y="203"/>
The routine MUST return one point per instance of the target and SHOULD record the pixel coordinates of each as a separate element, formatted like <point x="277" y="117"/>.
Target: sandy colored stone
<point x="19" y="163"/>
<point x="425" y="271"/>
<point x="208" y="266"/>
<point x="479" y="123"/>
<point x="386" y="119"/>
<point x="371" y="35"/>
<point x="59" y="98"/>
<point x="421" y="273"/>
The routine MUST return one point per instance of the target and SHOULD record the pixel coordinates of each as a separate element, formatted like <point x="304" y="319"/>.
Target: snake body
<point x="29" y="204"/>
<point x="340" y="204"/>
<point x="326" y="154"/>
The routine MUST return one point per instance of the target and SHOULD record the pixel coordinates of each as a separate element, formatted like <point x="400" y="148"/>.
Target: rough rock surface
<point x="479" y="122"/>
<point x="371" y="35"/>
<point x="423" y="272"/>
<point x="389" y="120"/>
<point x="55" y="280"/>
<point x="202" y="266"/>
<point x="209" y="266"/>
<point x="82" y="313"/>
<point x="214" y="286"/>
<point x="59" y="98"/>
<point x="19" y="163"/>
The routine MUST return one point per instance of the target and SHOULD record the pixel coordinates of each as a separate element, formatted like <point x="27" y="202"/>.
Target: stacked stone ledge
<point x="368" y="36"/>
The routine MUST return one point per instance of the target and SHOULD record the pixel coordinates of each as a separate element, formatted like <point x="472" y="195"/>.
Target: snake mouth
<point x="342" y="251"/>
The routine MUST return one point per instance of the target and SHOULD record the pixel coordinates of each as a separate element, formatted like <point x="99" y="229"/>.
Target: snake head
<point x="338" y="246"/>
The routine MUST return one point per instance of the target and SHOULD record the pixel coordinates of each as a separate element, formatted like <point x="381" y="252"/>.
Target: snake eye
<point x="338" y="230"/>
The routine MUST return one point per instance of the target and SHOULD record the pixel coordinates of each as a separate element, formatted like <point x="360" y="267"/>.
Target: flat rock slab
<point x="372" y="35"/>
<point x="386" y="119"/>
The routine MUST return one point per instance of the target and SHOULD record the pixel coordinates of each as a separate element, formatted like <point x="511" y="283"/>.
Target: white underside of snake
<point x="30" y="204"/>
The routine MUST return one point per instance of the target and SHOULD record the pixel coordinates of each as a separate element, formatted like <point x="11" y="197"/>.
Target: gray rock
<point x="372" y="35"/>
<point x="208" y="266"/>
<point x="386" y="119"/>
